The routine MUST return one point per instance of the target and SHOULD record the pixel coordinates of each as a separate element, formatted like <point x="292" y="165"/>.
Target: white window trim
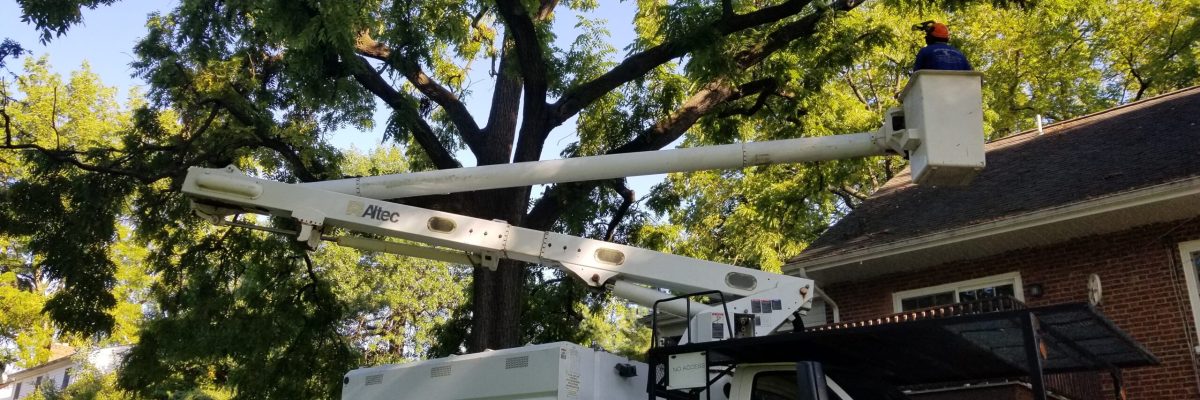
<point x="1189" y="274"/>
<point x="1011" y="277"/>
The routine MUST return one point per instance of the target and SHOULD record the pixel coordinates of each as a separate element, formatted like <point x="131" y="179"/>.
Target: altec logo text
<point x="379" y="214"/>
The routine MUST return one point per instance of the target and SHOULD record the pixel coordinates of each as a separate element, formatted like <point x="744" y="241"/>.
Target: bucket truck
<point x="939" y="129"/>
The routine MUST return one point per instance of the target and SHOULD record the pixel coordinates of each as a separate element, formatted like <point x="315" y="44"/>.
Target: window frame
<point x="978" y="283"/>
<point x="832" y="389"/>
<point x="1189" y="274"/>
<point x="762" y="374"/>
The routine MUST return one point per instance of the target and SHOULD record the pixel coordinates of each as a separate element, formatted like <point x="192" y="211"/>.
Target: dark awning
<point x="960" y="348"/>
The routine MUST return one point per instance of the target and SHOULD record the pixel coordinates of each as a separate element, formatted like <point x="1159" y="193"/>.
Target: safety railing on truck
<point x="994" y="304"/>
<point x="688" y="298"/>
<point x="1073" y="386"/>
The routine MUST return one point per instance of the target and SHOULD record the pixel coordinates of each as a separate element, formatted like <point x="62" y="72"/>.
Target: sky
<point x="105" y="39"/>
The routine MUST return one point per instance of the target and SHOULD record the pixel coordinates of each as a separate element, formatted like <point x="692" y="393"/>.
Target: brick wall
<point x="1143" y="286"/>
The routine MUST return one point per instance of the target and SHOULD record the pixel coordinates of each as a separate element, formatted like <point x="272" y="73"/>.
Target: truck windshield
<point x="780" y="385"/>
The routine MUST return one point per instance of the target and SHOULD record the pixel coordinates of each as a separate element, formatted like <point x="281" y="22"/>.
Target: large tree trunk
<point x="498" y="295"/>
<point x="496" y="322"/>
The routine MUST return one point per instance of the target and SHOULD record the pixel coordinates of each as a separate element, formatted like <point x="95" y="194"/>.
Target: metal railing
<point x="1076" y="385"/>
<point x="995" y="304"/>
<point x="654" y="331"/>
<point x="1073" y="386"/>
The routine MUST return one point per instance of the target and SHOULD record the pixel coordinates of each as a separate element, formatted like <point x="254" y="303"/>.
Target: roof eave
<point x="1113" y="202"/>
<point x="39" y="369"/>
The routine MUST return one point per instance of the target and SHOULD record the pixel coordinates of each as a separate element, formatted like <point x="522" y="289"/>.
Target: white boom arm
<point x="945" y="150"/>
<point x="578" y="169"/>
<point x="220" y="192"/>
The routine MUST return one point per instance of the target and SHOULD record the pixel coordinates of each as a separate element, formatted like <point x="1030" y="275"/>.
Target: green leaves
<point x="65" y="266"/>
<point x="231" y="284"/>
<point x="259" y="84"/>
<point x="1054" y="59"/>
<point x="22" y="325"/>
<point x="53" y="17"/>
<point x="10" y="48"/>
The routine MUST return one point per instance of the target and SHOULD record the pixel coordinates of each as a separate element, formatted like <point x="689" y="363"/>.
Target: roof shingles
<point x="1135" y="146"/>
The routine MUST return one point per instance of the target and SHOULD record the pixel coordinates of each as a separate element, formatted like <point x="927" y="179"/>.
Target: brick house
<point x="1112" y="198"/>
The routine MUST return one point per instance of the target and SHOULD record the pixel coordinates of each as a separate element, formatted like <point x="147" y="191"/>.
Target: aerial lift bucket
<point x="941" y="123"/>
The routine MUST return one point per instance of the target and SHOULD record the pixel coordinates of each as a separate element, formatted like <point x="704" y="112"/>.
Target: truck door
<point x="782" y="382"/>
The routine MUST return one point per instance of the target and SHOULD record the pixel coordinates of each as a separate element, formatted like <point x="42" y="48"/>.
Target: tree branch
<point x="142" y="151"/>
<point x="637" y="65"/>
<point x="853" y="192"/>
<point x="69" y="156"/>
<point x="1143" y="83"/>
<point x="501" y="127"/>
<point x="854" y="88"/>
<point x="545" y="9"/>
<point x="699" y="104"/>
<point x="764" y="88"/>
<point x="547" y="209"/>
<point x="506" y="105"/>
<point x="627" y="198"/>
<point x="406" y="107"/>
<point x="794" y="30"/>
<point x="847" y="199"/>
<point x="520" y="27"/>
<point x="454" y="107"/>
<point x="54" y="122"/>
<point x="532" y="64"/>
<point x="262" y="128"/>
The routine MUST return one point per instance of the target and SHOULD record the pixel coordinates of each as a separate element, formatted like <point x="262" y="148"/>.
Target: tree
<point x="1052" y="60"/>
<point x="9" y="48"/>
<point x="258" y="84"/>
<point x="52" y="114"/>
<point x="280" y="74"/>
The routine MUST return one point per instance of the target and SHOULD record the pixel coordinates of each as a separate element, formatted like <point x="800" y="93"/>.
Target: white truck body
<point x="552" y="371"/>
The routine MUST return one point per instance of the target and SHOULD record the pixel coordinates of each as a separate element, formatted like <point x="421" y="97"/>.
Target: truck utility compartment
<point x="553" y="371"/>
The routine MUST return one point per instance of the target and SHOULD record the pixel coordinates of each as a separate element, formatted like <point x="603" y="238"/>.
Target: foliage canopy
<point x="259" y="85"/>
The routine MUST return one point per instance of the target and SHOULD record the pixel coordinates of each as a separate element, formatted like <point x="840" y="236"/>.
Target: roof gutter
<point x="1134" y="198"/>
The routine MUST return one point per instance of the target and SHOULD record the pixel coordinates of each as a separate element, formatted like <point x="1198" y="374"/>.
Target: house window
<point x="965" y="291"/>
<point x="1189" y="254"/>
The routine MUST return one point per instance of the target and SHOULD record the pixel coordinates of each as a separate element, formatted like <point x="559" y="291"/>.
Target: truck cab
<point x="779" y="381"/>
<point x="566" y="371"/>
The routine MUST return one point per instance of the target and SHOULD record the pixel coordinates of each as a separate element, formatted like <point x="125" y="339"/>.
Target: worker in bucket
<point x="938" y="53"/>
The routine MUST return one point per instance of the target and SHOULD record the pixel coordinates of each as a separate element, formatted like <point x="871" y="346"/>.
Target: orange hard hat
<point x="939" y="30"/>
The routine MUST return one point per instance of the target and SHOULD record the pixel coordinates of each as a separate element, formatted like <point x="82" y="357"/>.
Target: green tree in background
<point x="262" y="81"/>
<point x="257" y="85"/>
<point x="79" y="112"/>
<point x="60" y="133"/>
<point x="1050" y="59"/>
